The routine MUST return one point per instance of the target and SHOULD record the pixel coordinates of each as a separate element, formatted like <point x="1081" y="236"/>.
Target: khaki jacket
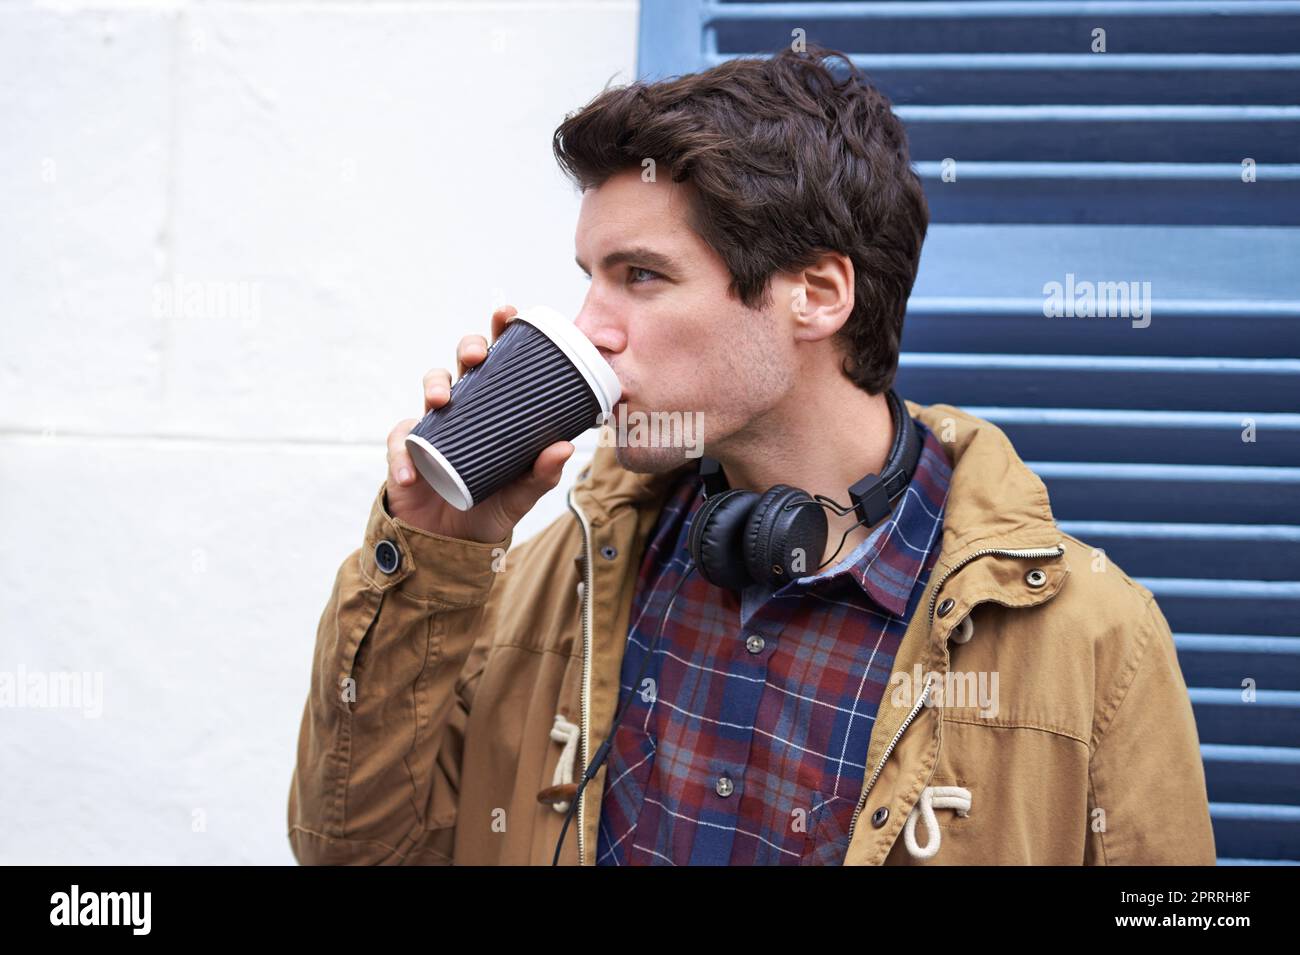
<point x="447" y="695"/>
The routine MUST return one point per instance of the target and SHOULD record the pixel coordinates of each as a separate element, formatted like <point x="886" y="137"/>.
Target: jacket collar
<point x="994" y="500"/>
<point x="604" y="486"/>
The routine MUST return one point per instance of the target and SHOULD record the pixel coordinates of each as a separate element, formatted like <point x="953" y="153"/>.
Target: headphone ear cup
<point x="714" y="540"/>
<point x="779" y="541"/>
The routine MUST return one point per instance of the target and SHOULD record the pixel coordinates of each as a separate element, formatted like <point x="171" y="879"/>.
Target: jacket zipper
<point x="862" y="800"/>
<point x="586" y="667"/>
<point x="1056" y="551"/>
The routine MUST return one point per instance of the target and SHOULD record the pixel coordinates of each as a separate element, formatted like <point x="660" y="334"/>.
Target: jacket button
<point x="1035" y="578"/>
<point x="608" y="552"/>
<point x="945" y="606"/>
<point x="387" y="557"/>
<point x="879" y="816"/>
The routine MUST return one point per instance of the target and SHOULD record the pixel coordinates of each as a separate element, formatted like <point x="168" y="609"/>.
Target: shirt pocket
<point x="623" y="807"/>
<point x="827" y="840"/>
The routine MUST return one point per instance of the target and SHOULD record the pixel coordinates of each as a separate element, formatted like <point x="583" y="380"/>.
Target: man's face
<point x="659" y="312"/>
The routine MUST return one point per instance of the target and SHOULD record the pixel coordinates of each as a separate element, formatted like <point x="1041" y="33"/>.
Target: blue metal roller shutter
<point x="1123" y="165"/>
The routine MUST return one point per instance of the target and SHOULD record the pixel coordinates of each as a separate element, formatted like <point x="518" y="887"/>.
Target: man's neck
<point x="822" y="439"/>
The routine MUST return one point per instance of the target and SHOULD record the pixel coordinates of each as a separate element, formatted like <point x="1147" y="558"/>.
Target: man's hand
<point x="410" y="496"/>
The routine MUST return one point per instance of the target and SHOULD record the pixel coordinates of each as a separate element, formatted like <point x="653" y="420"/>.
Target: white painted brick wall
<point x="177" y="491"/>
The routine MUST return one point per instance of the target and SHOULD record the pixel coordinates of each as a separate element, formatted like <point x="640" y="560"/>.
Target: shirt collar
<point x="889" y="563"/>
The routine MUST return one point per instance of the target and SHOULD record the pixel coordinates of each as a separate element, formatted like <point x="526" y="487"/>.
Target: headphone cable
<point x="603" y="751"/>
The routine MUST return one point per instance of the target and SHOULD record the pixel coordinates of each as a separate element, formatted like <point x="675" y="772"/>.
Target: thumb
<point x="547" y="471"/>
<point x="560" y="454"/>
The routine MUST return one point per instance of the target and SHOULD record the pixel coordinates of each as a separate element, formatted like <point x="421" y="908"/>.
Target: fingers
<point x="500" y="318"/>
<point x="437" y="388"/>
<point x="471" y="350"/>
<point x="400" y="469"/>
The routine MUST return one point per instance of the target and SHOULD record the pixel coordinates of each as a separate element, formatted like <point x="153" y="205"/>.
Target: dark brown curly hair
<point x="787" y="161"/>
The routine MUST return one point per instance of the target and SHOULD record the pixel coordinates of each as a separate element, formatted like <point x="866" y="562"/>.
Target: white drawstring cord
<point x="965" y="631"/>
<point x="567" y="733"/>
<point x="932" y="798"/>
<point x="938" y="797"/>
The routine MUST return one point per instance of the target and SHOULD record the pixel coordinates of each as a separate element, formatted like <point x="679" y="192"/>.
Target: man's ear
<point x="821" y="296"/>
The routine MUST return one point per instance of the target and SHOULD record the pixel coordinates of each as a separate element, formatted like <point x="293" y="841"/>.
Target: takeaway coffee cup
<point x="542" y="381"/>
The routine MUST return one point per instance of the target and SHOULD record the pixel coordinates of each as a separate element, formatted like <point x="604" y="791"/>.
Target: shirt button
<point x="879" y="816"/>
<point x="387" y="556"/>
<point x="754" y="644"/>
<point x="724" y="786"/>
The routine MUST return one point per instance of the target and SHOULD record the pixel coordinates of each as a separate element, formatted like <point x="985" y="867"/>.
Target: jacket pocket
<point x="352" y="658"/>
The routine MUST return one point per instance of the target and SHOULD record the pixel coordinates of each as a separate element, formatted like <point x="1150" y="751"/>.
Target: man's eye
<point x="636" y="269"/>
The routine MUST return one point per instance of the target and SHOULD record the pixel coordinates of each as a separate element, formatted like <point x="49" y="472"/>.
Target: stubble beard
<point x="650" y="460"/>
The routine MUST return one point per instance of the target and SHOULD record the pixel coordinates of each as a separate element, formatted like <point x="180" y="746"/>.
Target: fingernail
<point x="403" y="475"/>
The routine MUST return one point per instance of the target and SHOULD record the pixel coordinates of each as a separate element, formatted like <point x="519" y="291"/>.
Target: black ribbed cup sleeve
<point x="524" y="396"/>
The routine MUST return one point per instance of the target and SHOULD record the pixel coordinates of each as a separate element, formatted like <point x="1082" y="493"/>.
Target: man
<point x="960" y="683"/>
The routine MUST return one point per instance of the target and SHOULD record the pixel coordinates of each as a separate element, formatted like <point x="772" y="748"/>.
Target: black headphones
<point x="760" y="527"/>
<point x="740" y="537"/>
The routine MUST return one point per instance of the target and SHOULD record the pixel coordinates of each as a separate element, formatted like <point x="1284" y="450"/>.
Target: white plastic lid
<point x="570" y="339"/>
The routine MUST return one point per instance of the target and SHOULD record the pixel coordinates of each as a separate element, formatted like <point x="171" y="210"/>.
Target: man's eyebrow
<point x="647" y="258"/>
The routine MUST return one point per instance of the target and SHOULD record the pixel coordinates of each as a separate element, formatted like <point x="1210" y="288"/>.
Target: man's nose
<point x="602" y="327"/>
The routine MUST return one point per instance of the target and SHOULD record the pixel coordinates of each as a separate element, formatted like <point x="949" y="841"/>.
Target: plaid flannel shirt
<point x="749" y="746"/>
